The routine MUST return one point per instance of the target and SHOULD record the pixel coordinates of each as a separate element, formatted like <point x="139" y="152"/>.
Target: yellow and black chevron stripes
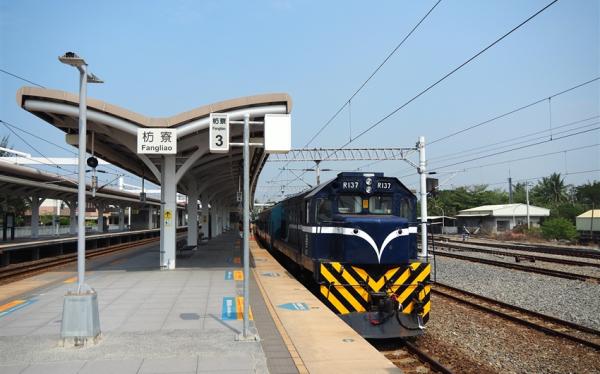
<point x="347" y="288"/>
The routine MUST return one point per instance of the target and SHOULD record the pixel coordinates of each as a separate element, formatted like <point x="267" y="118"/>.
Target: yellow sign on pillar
<point x="168" y="216"/>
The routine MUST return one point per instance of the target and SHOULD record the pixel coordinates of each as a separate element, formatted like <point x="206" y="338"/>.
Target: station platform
<point x="181" y="321"/>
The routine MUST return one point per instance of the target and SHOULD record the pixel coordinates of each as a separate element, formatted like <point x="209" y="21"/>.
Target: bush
<point x="559" y="228"/>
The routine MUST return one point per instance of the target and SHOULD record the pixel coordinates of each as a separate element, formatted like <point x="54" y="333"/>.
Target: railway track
<point x="410" y="358"/>
<point x="582" y="253"/>
<point x="540" y="322"/>
<point x="15" y="272"/>
<point x="471" y="247"/>
<point x="530" y="269"/>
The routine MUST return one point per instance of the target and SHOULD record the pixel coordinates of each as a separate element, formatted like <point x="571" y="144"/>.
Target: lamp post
<point x="80" y="309"/>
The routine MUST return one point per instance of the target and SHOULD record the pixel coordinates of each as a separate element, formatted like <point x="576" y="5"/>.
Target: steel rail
<point x="394" y="349"/>
<point x="18" y="271"/>
<point x="424" y="357"/>
<point x="526" y="320"/>
<point x="469" y="248"/>
<point x="530" y="269"/>
<point x="585" y="253"/>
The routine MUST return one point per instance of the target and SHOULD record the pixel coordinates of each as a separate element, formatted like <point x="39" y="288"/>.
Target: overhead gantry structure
<point x="214" y="179"/>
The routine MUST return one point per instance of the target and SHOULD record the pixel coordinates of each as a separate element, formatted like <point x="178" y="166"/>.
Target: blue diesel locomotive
<point x="357" y="237"/>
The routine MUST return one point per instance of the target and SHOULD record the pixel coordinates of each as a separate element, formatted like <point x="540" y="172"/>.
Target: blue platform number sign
<point x="229" y="309"/>
<point x="294" y="306"/>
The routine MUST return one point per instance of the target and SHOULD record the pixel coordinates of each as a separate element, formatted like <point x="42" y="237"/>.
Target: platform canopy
<point x="20" y="181"/>
<point x="113" y="131"/>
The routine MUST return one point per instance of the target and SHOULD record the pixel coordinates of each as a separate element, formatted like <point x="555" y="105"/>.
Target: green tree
<point x="453" y="201"/>
<point x="550" y="190"/>
<point x="588" y="193"/>
<point x="559" y="228"/>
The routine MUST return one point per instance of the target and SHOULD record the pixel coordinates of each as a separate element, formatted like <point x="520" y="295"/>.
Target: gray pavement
<point x="152" y="321"/>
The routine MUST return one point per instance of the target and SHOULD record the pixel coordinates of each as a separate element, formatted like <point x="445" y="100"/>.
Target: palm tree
<point x="551" y="189"/>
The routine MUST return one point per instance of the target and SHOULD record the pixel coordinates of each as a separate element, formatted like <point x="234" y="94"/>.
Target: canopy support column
<point x="168" y="212"/>
<point x="192" y="211"/>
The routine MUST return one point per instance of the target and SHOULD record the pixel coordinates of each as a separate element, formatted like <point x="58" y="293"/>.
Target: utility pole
<point x="423" y="175"/>
<point x="510" y="191"/>
<point x="527" y="200"/>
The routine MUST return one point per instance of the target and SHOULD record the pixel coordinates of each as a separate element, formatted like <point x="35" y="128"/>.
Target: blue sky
<point x="160" y="58"/>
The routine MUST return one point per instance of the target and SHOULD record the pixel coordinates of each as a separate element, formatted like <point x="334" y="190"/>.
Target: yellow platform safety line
<point x="11" y="305"/>
<point x="238" y="275"/>
<point x="342" y="290"/>
<point x="70" y="280"/>
<point x="333" y="300"/>
<point x="350" y="279"/>
<point x="239" y="301"/>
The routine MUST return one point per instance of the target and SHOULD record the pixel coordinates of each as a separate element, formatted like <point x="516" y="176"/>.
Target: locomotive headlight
<point x="368" y="181"/>
<point x="368" y="189"/>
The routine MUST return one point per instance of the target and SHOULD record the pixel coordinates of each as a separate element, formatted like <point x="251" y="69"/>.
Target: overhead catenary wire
<point x="21" y="78"/>
<point x="520" y="137"/>
<point x="10" y="125"/>
<point x="531" y="157"/>
<point x="447" y="75"/>
<point x="348" y="101"/>
<point x="440" y="80"/>
<point x="490" y="148"/>
<point x="518" y="148"/>
<point x="497" y="117"/>
<point x="513" y="149"/>
<point x="513" y="111"/>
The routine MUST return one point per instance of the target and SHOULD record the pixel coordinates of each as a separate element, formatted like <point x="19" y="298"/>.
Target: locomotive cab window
<point x="406" y="210"/>
<point x="323" y="210"/>
<point x="381" y="204"/>
<point x="349" y="204"/>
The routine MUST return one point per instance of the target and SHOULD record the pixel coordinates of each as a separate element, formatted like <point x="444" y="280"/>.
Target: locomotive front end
<point x="373" y="278"/>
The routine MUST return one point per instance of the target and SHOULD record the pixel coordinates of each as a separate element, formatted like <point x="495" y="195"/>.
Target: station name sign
<point x="218" y="133"/>
<point x="157" y="141"/>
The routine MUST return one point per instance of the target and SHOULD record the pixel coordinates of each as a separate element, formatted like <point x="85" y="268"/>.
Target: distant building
<point x="588" y="225"/>
<point x="499" y="218"/>
<point x="441" y="224"/>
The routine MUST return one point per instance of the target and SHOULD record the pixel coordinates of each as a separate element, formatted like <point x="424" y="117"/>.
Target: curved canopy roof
<point x="115" y="135"/>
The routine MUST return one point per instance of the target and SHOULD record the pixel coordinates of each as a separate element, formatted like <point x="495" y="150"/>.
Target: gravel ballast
<point x="571" y="300"/>
<point x="457" y="335"/>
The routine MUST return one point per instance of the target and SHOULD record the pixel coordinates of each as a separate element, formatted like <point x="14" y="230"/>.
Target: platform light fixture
<point x="80" y="309"/>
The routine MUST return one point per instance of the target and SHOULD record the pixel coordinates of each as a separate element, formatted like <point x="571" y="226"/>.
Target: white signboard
<point x="157" y="141"/>
<point x="219" y="133"/>
<point x="278" y="133"/>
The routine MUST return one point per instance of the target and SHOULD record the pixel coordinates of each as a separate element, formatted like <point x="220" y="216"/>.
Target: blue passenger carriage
<point x="357" y="236"/>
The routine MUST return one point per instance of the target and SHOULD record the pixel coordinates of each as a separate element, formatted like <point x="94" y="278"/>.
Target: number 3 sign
<point x="219" y="133"/>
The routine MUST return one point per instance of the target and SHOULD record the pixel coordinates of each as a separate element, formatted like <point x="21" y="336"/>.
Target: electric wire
<point x="452" y="155"/>
<point x="510" y="150"/>
<point x="490" y="148"/>
<point x="518" y="148"/>
<point x="513" y="111"/>
<point x="447" y="75"/>
<point x="347" y="102"/>
<point x="373" y="73"/>
<point x="21" y="78"/>
<point x="34" y="149"/>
